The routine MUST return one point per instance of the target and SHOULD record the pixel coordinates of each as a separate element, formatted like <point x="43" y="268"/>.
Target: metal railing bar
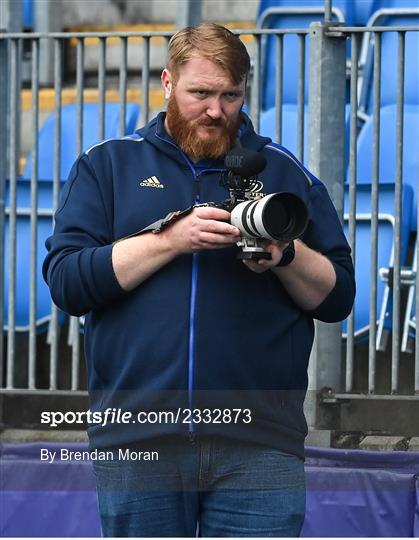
<point x="26" y="211"/>
<point x="79" y="146"/>
<point x="13" y="159"/>
<point x="279" y="90"/>
<point x="145" y="78"/>
<point x="75" y="357"/>
<point x="41" y="392"/>
<point x="4" y="77"/>
<point x="364" y="29"/>
<point x="255" y="105"/>
<point x="395" y="345"/>
<point x="374" y="210"/>
<point x="80" y="97"/>
<point x="58" y="86"/>
<point x="349" y="377"/>
<point x="102" y="88"/>
<point x="327" y="11"/>
<point x="74" y="337"/>
<point x="123" y="86"/>
<point x="366" y="216"/>
<point x="377" y="397"/>
<point x="33" y="216"/>
<point x="166" y="34"/>
<point x="300" y="98"/>
<point x="383" y="12"/>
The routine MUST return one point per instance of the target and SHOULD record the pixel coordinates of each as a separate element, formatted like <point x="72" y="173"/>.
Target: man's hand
<point x="203" y="228"/>
<point x="136" y="258"/>
<point x="275" y="248"/>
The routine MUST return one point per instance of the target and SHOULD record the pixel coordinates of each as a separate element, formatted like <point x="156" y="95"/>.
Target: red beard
<point x="185" y="133"/>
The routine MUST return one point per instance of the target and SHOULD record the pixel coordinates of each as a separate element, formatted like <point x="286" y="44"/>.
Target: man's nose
<point x="214" y="109"/>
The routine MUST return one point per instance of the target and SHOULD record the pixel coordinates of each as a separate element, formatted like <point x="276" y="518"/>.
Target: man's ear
<point x="167" y="82"/>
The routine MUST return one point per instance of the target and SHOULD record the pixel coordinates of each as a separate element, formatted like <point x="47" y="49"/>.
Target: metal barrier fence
<point x="11" y="209"/>
<point x="399" y="276"/>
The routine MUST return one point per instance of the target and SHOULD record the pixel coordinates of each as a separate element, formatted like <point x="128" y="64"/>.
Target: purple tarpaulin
<point x="349" y="493"/>
<point x="358" y="493"/>
<point x="359" y="502"/>
<point x="38" y="498"/>
<point x="49" y="514"/>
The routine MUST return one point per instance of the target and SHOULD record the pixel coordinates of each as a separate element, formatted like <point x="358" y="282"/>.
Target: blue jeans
<point x="208" y="487"/>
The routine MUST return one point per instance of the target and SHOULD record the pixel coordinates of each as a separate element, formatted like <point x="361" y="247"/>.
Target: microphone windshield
<point x="245" y="163"/>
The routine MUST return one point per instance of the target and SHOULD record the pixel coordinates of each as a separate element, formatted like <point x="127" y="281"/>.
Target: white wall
<point x="95" y="12"/>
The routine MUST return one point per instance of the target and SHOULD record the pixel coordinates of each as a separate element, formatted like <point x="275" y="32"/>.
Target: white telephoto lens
<point x="256" y="217"/>
<point x="248" y="216"/>
<point x="239" y="219"/>
<point x="278" y="216"/>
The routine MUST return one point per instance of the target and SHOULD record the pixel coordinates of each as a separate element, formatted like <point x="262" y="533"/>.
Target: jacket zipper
<point x="192" y="302"/>
<point x="194" y="283"/>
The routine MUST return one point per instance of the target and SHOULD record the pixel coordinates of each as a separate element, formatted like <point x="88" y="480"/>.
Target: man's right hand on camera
<point x="136" y="258"/>
<point x="204" y="228"/>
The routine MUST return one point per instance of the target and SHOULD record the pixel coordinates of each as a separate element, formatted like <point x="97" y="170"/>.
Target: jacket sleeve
<point x="78" y="267"/>
<point x="325" y="235"/>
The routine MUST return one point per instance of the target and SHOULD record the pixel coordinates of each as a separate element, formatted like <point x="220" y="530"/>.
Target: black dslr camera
<point x="278" y="216"/>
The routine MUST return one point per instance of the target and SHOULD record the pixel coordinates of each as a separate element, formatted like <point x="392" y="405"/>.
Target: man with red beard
<point x="203" y="112"/>
<point x="207" y="354"/>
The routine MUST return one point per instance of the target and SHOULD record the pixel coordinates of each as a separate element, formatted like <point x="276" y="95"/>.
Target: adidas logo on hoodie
<point x="153" y="182"/>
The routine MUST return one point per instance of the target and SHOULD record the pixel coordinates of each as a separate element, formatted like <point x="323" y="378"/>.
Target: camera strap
<point x="161" y="224"/>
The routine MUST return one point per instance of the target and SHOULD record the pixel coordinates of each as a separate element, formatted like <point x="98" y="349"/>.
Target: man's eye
<point x="231" y="95"/>
<point x="201" y="93"/>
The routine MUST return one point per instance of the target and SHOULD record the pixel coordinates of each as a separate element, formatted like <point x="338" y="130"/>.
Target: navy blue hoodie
<point x="203" y="332"/>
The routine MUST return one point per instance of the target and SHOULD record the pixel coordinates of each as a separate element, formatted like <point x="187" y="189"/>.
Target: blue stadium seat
<point x="362" y="11"/>
<point x="385" y="247"/>
<point x="409" y="326"/>
<point x="287" y="15"/>
<point x="68" y="135"/>
<point x="387" y="164"/>
<point x="45" y="203"/>
<point x="28" y="17"/>
<point x="289" y="127"/>
<point x="397" y="13"/>
<point x="348" y="8"/>
<point x="355" y="12"/>
<point x="44" y="229"/>
<point x="390" y="4"/>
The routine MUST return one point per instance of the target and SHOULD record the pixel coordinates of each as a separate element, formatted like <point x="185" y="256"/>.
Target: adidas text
<point x="151" y="182"/>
